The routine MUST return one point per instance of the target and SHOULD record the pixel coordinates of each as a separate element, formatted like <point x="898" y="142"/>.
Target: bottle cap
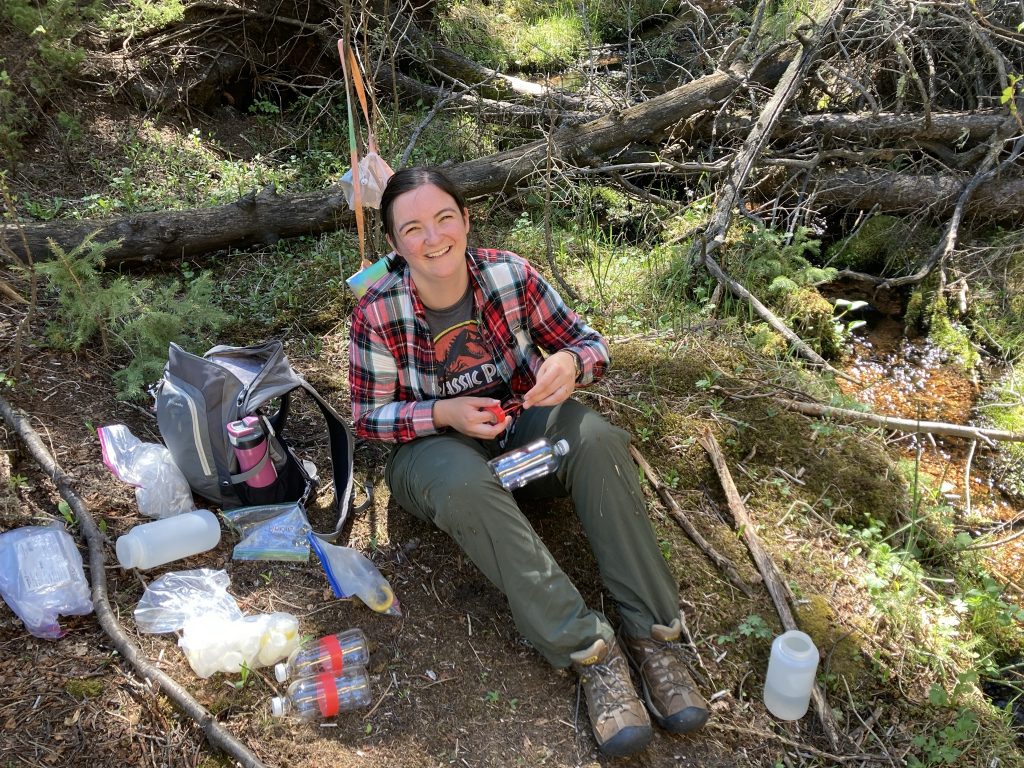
<point x="281" y="672"/>
<point x="561" y="447"/>
<point x="277" y="706"/>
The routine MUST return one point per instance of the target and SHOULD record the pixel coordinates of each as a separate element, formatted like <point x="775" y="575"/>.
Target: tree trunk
<point x="259" y="219"/>
<point x="999" y="200"/>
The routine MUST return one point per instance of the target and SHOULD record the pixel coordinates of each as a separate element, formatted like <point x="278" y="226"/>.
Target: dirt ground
<point x="453" y="684"/>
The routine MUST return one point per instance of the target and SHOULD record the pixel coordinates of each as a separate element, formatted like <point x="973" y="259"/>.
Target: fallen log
<point x="773" y="581"/>
<point x="264" y="217"/>
<point x="999" y="200"/>
<point x="218" y="736"/>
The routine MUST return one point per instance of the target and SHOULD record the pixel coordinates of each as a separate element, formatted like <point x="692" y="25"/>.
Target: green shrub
<point x="130" y="317"/>
<point x="47" y="28"/>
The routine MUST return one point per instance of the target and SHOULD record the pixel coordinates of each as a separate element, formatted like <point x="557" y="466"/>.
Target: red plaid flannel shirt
<point x="393" y="370"/>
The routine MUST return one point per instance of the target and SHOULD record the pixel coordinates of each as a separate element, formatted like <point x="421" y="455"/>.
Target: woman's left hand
<point x="556" y="381"/>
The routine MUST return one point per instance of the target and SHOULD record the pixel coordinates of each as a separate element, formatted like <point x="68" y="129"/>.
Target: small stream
<point x="914" y="379"/>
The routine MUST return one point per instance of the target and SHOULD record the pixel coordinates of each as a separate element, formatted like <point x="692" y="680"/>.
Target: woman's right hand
<point x="467" y="415"/>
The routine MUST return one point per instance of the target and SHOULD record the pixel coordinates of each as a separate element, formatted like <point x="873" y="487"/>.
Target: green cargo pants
<point x="444" y="479"/>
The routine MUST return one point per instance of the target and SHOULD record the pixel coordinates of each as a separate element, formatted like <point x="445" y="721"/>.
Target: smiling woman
<point x="459" y="354"/>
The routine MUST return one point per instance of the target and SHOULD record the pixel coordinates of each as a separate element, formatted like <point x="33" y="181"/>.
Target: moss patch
<point x="84" y="688"/>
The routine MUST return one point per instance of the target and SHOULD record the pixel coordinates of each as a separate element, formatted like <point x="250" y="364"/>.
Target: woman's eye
<point x="411" y="231"/>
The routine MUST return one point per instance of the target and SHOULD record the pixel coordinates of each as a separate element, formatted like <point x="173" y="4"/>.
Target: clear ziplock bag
<point x="41" y="577"/>
<point x="270" y="532"/>
<point x="179" y="596"/>
<point x="351" y="574"/>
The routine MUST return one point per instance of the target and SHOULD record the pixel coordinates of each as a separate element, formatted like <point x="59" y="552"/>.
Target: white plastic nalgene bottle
<point x="172" y="538"/>
<point x="790" y="678"/>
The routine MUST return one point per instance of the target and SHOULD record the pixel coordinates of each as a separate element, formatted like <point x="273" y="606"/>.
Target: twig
<point x="380" y="700"/>
<point x="719" y="726"/>
<point x="901" y="425"/>
<point x="218" y="736"/>
<point x="724" y="563"/>
<point x="773" y="580"/>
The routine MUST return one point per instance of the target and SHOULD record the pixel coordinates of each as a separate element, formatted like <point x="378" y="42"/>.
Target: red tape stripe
<point x="327" y="694"/>
<point x="331" y="648"/>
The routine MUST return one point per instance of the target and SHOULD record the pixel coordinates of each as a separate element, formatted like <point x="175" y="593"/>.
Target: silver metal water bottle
<point x="517" y="468"/>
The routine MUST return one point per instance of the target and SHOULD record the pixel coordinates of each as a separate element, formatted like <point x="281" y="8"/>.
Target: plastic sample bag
<point x="270" y="532"/>
<point x="374" y="173"/>
<point x="176" y="597"/>
<point x="351" y="574"/>
<point x="41" y="577"/>
<point x="218" y="645"/>
<point x="160" y="487"/>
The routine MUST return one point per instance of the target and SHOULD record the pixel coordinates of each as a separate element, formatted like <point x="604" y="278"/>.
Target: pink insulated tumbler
<point x="250" y="444"/>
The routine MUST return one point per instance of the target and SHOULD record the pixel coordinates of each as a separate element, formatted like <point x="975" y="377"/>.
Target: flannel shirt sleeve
<point x="555" y="327"/>
<point x="377" y="414"/>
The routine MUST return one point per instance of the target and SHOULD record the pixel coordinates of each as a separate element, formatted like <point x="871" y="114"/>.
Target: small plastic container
<point x="523" y="465"/>
<point x="331" y="653"/>
<point x="324" y="696"/>
<point x="250" y="444"/>
<point x="162" y="541"/>
<point x="790" y="678"/>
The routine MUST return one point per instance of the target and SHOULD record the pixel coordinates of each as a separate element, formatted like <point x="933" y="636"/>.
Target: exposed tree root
<point x="218" y="736"/>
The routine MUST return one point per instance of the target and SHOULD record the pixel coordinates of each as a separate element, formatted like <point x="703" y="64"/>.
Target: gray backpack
<point x="199" y="396"/>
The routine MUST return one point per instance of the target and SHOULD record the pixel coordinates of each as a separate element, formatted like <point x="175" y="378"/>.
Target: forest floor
<point x="453" y="683"/>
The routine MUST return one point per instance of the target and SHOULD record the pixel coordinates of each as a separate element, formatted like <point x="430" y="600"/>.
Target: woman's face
<point x="430" y="233"/>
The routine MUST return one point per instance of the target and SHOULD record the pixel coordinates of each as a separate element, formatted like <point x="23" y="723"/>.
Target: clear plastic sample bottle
<point x="171" y="538"/>
<point x="324" y="696"/>
<point x="790" y="678"/>
<point x="517" y="468"/>
<point x="331" y="653"/>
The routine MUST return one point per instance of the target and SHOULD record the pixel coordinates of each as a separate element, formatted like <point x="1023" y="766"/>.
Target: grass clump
<point x="883" y="245"/>
<point x="42" y="58"/>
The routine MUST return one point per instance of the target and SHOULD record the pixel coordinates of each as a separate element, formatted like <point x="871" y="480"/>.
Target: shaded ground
<point x="453" y="683"/>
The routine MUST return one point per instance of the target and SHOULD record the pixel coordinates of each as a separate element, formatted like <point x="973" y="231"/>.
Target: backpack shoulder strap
<point x="341" y="441"/>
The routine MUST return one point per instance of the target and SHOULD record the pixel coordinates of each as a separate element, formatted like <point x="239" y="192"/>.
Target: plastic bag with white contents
<point x="41" y="577"/>
<point x="160" y="487"/>
<point x="374" y="173"/>
<point x="172" y="600"/>
<point x="217" y="645"/>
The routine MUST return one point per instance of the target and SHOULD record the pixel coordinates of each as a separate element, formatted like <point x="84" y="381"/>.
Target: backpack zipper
<point x="195" y="439"/>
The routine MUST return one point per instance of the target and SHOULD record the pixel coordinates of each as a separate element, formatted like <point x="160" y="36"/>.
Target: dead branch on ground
<point x="743" y="165"/>
<point x="773" y="580"/>
<point x="215" y="733"/>
<point x="989" y="436"/>
<point x="723" y="563"/>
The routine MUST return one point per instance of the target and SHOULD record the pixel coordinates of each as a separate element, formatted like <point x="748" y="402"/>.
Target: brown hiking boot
<point x="669" y="691"/>
<point x="617" y="717"/>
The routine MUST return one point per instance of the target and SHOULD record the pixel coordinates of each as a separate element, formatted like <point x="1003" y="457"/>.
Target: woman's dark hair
<point x="409" y="179"/>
